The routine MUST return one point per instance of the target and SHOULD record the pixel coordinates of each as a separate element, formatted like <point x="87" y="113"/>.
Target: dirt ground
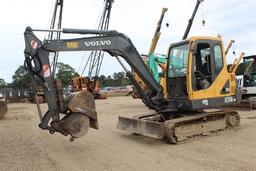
<point x="23" y="146"/>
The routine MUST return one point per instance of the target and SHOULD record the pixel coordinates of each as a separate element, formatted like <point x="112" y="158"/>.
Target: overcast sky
<point x="233" y="19"/>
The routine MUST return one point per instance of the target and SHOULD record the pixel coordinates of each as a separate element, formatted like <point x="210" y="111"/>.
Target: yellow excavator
<point x="197" y="78"/>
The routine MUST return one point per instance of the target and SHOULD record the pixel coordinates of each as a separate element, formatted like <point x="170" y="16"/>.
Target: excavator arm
<point x="112" y="42"/>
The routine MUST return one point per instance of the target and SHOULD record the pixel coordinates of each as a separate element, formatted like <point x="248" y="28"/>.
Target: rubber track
<point x="171" y="125"/>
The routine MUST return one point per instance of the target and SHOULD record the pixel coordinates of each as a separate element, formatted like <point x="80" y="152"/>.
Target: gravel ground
<point x="26" y="147"/>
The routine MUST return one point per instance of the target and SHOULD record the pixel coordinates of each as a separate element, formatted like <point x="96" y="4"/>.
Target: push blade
<point x="141" y="127"/>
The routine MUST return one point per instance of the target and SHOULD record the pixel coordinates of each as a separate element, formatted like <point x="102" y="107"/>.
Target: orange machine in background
<point x="87" y="84"/>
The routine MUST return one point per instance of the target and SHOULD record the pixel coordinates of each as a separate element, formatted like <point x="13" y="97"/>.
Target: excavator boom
<point x="116" y="44"/>
<point x="112" y="42"/>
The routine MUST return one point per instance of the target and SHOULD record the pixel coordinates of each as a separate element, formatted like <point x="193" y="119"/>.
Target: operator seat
<point x="205" y="76"/>
<point x="205" y="66"/>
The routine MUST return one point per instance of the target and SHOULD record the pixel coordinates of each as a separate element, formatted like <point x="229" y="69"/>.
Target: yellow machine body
<point x="202" y="77"/>
<point x="221" y="79"/>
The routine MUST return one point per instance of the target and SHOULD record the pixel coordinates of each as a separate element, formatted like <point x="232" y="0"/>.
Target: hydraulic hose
<point x="33" y="70"/>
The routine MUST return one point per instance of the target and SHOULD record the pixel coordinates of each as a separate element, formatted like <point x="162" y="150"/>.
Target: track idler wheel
<point x="3" y="109"/>
<point x="233" y="119"/>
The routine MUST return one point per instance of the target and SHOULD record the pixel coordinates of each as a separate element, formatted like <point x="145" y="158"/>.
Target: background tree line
<point x="21" y="78"/>
<point x="117" y="79"/>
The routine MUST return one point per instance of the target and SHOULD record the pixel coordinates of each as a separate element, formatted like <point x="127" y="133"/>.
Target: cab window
<point x="178" y="61"/>
<point x="218" y="59"/>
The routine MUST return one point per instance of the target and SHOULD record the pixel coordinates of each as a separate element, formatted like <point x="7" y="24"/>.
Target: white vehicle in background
<point x="246" y="79"/>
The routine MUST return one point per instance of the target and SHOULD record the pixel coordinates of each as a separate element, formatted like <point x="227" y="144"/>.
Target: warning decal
<point x="34" y="44"/>
<point x="46" y="70"/>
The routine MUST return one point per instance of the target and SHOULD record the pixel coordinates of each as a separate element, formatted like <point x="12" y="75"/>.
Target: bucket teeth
<point x="74" y="124"/>
<point x="84" y="102"/>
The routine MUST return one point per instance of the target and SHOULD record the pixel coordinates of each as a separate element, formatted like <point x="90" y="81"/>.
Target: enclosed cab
<point x="197" y="74"/>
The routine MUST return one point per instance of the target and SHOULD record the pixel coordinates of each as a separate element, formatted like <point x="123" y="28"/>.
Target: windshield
<point x="249" y="72"/>
<point x="249" y="65"/>
<point x="178" y="61"/>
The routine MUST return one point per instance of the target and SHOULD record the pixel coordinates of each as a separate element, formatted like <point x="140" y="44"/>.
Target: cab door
<point x="210" y="77"/>
<point x="202" y="65"/>
<point x="207" y="63"/>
